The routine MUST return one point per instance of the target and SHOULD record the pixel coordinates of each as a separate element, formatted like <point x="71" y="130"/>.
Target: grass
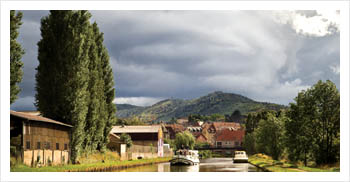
<point x="268" y="164"/>
<point x="90" y="167"/>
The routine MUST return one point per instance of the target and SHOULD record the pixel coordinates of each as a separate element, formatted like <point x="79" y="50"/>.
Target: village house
<point x="37" y="140"/>
<point x="147" y="141"/>
<point x="210" y="130"/>
<point x="229" y="138"/>
<point x="172" y="129"/>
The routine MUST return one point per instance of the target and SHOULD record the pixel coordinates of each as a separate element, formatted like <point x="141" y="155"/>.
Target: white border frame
<point x="6" y="6"/>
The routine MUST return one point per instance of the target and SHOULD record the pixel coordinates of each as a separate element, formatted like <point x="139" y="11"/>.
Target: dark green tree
<point x="249" y="143"/>
<point x="109" y="94"/>
<point x="315" y="121"/>
<point x="269" y="136"/>
<point x="63" y="72"/>
<point x="236" y="116"/>
<point x="16" y="53"/>
<point x="96" y="116"/>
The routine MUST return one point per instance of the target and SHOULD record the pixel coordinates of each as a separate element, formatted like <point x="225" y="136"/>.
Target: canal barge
<point x="240" y="157"/>
<point x="185" y="157"/>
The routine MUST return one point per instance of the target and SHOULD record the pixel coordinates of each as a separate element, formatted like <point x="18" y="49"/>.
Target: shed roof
<point x="32" y="117"/>
<point x="136" y="129"/>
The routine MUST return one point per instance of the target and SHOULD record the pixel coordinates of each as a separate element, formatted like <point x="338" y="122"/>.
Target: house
<point x="229" y="138"/>
<point x="201" y="138"/>
<point x="173" y="129"/>
<point x="39" y="140"/>
<point x="147" y="140"/>
<point x="211" y="130"/>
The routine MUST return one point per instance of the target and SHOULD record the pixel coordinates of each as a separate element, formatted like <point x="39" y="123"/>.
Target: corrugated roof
<point x="136" y="129"/>
<point x="37" y="118"/>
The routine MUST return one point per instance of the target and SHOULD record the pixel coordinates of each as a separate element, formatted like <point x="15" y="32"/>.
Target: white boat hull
<point x="184" y="161"/>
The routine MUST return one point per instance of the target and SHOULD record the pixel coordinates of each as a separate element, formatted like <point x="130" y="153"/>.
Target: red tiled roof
<point x="36" y="118"/>
<point x="230" y="135"/>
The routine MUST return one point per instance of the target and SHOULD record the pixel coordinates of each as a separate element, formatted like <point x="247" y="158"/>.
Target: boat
<point x="185" y="157"/>
<point x="240" y="157"/>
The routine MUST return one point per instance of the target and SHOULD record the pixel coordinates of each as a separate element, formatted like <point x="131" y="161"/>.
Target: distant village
<point x="40" y="140"/>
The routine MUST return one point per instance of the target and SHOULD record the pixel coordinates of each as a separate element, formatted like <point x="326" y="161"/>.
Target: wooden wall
<point x="48" y="134"/>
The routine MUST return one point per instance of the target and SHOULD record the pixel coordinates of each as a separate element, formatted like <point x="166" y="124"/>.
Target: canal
<point x="206" y="165"/>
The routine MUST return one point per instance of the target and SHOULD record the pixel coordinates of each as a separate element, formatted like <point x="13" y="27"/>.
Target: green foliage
<point x="254" y="118"/>
<point x="75" y="80"/>
<point x="205" y="154"/>
<point x="313" y="130"/>
<point x="249" y="143"/>
<point x="269" y="136"/>
<point x="16" y="53"/>
<point x="126" y="139"/>
<point x="184" y="140"/>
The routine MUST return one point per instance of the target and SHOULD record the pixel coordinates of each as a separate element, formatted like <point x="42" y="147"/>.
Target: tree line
<point x="308" y="131"/>
<point x="74" y="79"/>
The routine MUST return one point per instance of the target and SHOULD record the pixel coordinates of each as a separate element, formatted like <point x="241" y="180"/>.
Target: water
<point x="206" y="165"/>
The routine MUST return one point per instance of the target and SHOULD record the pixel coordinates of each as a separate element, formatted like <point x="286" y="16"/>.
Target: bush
<point x="205" y="154"/>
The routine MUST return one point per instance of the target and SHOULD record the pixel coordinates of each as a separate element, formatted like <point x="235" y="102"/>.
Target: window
<point x="47" y="145"/>
<point x="57" y="146"/>
<point x="65" y="146"/>
<point x="219" y="144"/>
<point x="38" y="145"/>
<point x="236" y="143"/>
<point x="28" y="144"/>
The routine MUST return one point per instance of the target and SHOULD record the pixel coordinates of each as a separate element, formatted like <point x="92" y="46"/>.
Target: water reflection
<point x="206" y="165"/>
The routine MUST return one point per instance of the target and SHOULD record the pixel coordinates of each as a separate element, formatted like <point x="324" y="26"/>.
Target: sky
<point x="265" y="55"/>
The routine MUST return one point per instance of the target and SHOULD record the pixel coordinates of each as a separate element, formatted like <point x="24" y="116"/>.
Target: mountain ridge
<point x="216" y="102"/>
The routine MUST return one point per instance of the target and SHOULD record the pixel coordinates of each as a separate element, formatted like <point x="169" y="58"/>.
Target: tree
<point x="75" y="80"/>
<point x="236" y="116"/>
<point x="125" y="138"/>
<point x="249" y="143"/>
<point x="314" y="124"/>
<point x="16" y="53"/>
<point x="184" y="140"/>
<point x="269" y="136"/>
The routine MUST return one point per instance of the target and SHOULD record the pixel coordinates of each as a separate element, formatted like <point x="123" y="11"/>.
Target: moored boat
<point x="240" y="157"/>
<point x="185" y="157"/>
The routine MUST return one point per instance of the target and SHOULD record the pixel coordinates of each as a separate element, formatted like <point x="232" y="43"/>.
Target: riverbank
<point x="93" y="167"/>
<point x="265" y="163"/>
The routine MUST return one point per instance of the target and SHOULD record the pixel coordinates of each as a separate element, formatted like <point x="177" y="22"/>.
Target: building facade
<point x="37" y="140"/>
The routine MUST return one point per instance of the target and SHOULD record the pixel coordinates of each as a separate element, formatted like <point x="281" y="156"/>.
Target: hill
<point x="213" y="103"/>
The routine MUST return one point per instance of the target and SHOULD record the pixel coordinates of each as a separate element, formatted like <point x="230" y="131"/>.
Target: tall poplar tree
<point x="62" y="75"/>
<point x="75" y="79"/>
<point x="109" y="93"/>
<point x="16" y="53"/>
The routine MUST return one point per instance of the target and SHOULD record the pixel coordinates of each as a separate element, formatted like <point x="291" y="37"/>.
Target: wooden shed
<point x="38" y="140"/>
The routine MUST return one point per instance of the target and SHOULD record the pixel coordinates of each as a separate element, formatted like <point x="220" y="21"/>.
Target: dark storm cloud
<point x="187" y="54"/>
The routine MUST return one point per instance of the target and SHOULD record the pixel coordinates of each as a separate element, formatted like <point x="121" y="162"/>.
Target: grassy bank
<point x="90" y="167"/>
<point x="268" y="164"/>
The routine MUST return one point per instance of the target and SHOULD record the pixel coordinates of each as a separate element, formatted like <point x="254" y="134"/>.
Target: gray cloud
<point x="187" y="54"/>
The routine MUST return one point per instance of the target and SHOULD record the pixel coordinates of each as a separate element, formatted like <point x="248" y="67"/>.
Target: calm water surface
<point x="206" y="165"/>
